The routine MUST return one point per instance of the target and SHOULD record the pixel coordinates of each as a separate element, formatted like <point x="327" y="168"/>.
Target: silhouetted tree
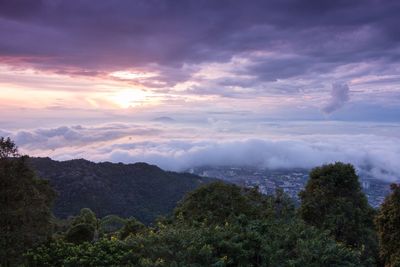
<point x="215" y="203"/>
<point x="218" y="203"/>
<point x="332" y="200"/>
<point x="24" y="205"/>
<point x="388" y="224"/>
<point x="80" y="233"/>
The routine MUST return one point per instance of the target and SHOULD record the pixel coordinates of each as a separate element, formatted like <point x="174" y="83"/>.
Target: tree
<point x="111" y="223"/>
<point x="101" y="253"/>
<point x="218" y="203"/>
<point x="85" y="216"/>
<point x="80" y="233"/>
<point x="244" y="228"/>
<point x="388" y="225"/>
<point x="7" y="148"/>
<point x="132" y="226"/>
<point x="215" y="203"/>
<point x="332" y="200"/>
<point x="257" y="244"/>
<point x="25" y="200"/>
<point x="83" y="227"/>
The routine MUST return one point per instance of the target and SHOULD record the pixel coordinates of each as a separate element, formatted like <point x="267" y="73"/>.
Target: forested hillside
<point x="140" y="190"/>
<point x="217" y="224"/>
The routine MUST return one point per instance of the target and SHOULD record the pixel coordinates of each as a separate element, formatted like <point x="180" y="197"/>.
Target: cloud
<point x="377" y="160"/>
<point x="294" y="145"/>
<point x="72" y="136"/>
<point x="339" y="97"/>
<point x="273" y="57"/>
<point x="86" y="38"/>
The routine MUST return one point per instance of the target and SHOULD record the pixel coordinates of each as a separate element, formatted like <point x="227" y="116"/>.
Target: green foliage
<point x="244" y="229"/>
<point x="111" y="223"/>
<point x="218" y="203"/>
<point x="388" y="225"/>
<point x="80" y="233"/>
<point x="280" y="206"/>
<point x="214" y="204"/>
<point x="132" y="226"/>
<point x="140" y="190"/>
<point x="333" y="201"/>
<point x="86" y="216"/>
<point x="101" y="253"/>
<point x="25" y="216"/>
<point x="83" y="227"/>
<point x="254" y="243"/>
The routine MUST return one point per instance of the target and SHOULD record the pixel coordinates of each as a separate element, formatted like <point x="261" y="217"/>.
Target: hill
<point x="140" y="190"/>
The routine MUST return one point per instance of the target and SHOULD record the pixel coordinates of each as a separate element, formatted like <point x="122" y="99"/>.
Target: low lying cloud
<point x="373" y="154"/>
<point x="71" y="136"/>
<point x="339" y="97"/>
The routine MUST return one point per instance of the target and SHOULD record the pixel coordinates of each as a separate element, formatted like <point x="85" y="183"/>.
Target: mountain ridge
<point x="138" y="189"/>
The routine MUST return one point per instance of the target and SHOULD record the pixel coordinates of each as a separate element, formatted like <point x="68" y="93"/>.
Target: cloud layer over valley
<point x="179" y="147"/>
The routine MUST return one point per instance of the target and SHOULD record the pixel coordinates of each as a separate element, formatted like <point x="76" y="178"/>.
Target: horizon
<point x="273" y="84"/>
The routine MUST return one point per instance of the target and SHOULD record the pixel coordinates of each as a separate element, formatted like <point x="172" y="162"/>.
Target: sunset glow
<point x="130" y="98"/>
<point x="158" y="80"/>
<point x="128" y="75"/>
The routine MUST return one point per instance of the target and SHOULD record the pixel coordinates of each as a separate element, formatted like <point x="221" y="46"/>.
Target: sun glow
<point x="130" y="98"/>
<point x="129" y="75"/>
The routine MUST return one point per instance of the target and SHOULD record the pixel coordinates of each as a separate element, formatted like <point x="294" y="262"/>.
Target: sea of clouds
<point x="180" y="147"/>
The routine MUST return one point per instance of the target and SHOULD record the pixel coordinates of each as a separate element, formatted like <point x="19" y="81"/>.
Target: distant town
<point x="292" y="181"/>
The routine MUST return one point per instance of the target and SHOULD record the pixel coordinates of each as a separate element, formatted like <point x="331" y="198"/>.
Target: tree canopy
<point x="332" y="200"/>
<point x="216" y="225"/>
<point x="388" y="226"/>
<point x="25" y="200"/>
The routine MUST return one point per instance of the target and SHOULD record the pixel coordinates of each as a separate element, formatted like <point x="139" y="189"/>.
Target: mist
<point x="272" y="146"/>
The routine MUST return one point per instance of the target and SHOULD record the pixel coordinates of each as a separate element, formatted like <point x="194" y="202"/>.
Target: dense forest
<point x="140" y="190"/>
<point x="217" y="224"/>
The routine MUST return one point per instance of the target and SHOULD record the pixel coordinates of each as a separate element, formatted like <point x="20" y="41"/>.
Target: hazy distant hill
<point x="140" y="190"/>
<point x="164" y="119"/>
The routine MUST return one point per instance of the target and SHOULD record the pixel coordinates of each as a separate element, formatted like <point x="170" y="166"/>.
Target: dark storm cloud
<point x="93" y="36"/>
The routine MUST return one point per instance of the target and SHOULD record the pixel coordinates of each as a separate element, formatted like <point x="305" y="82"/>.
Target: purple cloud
<point x="339" y="97"/>
<point x="82" y="37"/>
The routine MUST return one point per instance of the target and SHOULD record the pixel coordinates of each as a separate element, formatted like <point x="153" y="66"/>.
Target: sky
<point x="277" y="83"/>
